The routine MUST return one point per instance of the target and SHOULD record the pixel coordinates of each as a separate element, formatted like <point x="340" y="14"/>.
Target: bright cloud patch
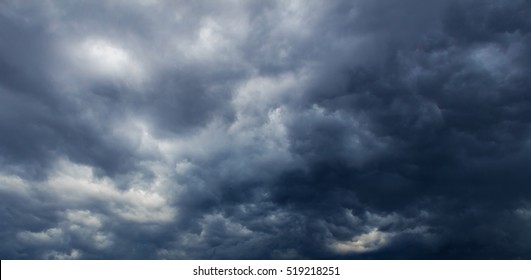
<point x="154" y="129"/>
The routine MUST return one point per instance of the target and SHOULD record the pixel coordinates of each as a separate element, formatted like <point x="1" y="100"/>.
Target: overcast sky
<point x="360" y="129"/>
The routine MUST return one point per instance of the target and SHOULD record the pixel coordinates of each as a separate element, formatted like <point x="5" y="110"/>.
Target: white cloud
<point x="47" y="237"/>
<point x="95" y="58"/>
<point x="366" y="242"/>
<point x="75" y="184"/>
<point x="78" y="227"/>
<point x="372" y="238"/>
<point x="74" y="254"/>
<point x="84" y="218"/>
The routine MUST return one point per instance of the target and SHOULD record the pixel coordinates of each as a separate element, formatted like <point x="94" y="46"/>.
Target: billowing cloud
<point x="265" y="129"/>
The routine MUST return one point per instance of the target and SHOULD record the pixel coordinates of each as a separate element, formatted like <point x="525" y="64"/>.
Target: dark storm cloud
<point x="290" y="130"/>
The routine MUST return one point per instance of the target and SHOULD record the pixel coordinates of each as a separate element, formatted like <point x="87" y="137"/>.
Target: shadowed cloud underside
<point x="265" y="129"/>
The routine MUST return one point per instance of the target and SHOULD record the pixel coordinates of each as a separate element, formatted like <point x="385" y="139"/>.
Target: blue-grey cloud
<point x="153" y="129"/>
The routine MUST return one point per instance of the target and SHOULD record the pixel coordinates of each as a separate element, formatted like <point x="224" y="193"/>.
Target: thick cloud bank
<point x="365" y="129"/>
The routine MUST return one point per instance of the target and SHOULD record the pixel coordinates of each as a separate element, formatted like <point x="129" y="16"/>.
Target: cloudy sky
<point x="356" y="129"/>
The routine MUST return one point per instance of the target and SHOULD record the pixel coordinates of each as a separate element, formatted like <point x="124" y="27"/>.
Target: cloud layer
<point x="153" y="129"/>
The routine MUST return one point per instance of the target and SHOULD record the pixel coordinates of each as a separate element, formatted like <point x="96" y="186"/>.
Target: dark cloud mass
<point x="153" y="129"/>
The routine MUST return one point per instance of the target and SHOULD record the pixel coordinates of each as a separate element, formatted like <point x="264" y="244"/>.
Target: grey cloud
<point x="265" y="130"/>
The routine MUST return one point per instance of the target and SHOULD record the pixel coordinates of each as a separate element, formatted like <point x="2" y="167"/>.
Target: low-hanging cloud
<point x="359" y="129"/>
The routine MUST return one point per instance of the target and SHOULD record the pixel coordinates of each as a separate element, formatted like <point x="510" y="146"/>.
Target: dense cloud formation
<point x="362" y="129"/>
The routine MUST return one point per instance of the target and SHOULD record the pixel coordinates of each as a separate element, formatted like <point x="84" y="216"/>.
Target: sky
<point x="359" y="129"/>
